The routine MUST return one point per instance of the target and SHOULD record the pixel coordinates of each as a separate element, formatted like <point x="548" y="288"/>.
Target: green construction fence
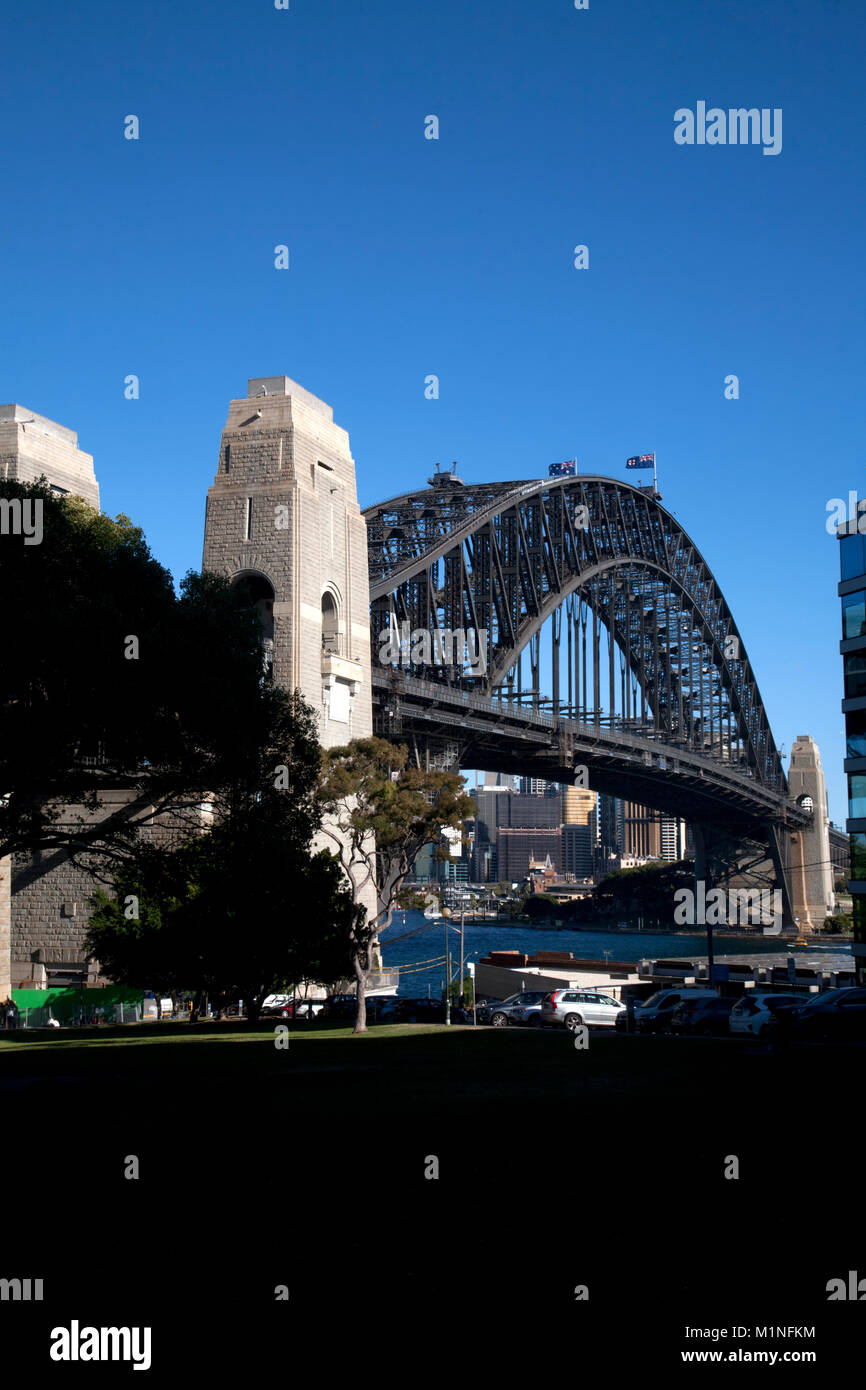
<point x="66" y="1003"/>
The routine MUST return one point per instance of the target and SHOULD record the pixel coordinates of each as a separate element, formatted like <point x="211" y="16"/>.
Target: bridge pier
<point x="283" y="522"/>
<point x="811" y="866"/>
<point x="747" y="865"/>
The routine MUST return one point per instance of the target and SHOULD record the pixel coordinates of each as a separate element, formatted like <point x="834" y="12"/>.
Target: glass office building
<point x="852" y="592"/>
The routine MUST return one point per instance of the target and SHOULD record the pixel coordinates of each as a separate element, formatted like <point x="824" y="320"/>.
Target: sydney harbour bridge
<point x="611" y="657"/>
<point x="595" y="646"/>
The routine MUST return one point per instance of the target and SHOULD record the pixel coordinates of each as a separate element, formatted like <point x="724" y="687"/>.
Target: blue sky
<point x="455" y="257"/>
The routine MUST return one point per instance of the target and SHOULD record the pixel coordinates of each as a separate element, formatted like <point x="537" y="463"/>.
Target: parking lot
<point x="775" y="1016"/>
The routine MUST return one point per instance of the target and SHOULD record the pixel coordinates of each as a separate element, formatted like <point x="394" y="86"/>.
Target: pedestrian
<point x="3" y="1015"/>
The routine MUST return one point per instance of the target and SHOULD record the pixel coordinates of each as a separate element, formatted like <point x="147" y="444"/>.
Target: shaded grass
<point x="408" y="1066"/>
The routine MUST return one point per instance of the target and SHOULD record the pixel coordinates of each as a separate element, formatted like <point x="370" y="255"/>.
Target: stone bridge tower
<point x="283" y="520"/>
<point x="811" y="872"/>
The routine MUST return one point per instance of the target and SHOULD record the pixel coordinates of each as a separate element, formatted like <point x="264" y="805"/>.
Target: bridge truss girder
<point x="598" y="563"/>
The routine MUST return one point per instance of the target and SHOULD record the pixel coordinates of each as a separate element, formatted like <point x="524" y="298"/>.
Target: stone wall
<point x="51" y="899"/>
<point x="31" y="445"/>
<point x="50" y="914"/>
<point x="5" y="927"/>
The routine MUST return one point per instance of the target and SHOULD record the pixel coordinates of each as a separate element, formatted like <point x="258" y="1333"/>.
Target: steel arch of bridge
<point x="586" y="557"/>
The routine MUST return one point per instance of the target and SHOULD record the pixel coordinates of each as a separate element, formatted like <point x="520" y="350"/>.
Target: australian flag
<point x="641" y="461"/>
<point x="563" y="470"/>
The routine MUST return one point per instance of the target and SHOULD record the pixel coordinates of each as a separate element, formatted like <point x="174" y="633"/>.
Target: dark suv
<point x="499" y="1012"/>
<point x="700" y="1017"/>
<point x="836" y="1015"/>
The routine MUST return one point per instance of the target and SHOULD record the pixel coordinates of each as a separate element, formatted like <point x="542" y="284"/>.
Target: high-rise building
<point x="578" y="805"/>
<point x="639" y="831"/>
<point x="484" y="861"/>
<point x="672" y="835"/>
<point x="607" y="843"/>
<point x="536" y="786"/>
<point x="578" y="831"/>
<point x="852" y="591"/>
<point x="577" y="851"/>
<point x="512" y="827"/>
<point x="517" y="846"/>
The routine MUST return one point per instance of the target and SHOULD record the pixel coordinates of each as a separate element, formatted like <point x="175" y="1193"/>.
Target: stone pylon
<point x="38" y="932"/>
<point x="811" y="871"/>
<point x="5" y="927"/>
<point x="283" y="520"/>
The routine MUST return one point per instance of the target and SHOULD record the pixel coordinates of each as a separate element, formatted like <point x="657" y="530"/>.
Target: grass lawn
<point x="311" y="1165"/>
<point x="399" y="1069"/>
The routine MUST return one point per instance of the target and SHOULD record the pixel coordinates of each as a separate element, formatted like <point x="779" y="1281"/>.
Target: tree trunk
<point x="196" y="1007"/>
<point x="254" y="1004"/>
<point x="361" y="992"/>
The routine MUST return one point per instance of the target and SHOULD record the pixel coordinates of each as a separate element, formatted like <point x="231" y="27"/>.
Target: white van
<point x="654" y="1015"/>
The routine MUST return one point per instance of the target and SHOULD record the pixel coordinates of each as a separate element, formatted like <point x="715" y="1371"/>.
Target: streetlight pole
<point x="710" y="962"/>
<point x="446" y="913"/>
<point x="462" y="915"/>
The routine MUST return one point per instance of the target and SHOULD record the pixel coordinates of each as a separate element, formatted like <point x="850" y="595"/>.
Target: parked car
<point x="484" y="1008"/>
<point x="621" y="1020"/>
<point x="308" y="1008"/>
<point x="498" y="1013"/>
<point x="340" y="1006"/>
<point x="754" y="1012"/>
<point x="573" y="1007"/>
<point x="700" y="1017"/>
<point x="388" y="1009"/>
<point x="835" y="1015"/>
<point x="527" y="1015"/>
<point x="655" y="1013"/>
<point x="419" y="1011"/>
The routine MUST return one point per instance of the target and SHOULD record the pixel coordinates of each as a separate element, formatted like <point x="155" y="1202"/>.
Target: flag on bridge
<point x="563" y="470"/>
<point x="641" y="461"/>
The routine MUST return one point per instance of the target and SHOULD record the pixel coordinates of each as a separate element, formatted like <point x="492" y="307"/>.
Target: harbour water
<point x="417" y="946"/>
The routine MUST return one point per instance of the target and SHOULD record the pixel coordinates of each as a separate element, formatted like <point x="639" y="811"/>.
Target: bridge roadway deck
<point x="642" y="767"/>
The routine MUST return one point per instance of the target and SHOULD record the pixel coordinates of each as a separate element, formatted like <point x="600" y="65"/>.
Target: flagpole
<point x="655" y="473"/>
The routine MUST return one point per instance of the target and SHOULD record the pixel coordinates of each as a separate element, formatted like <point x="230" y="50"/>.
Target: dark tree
<point x="111" y="680"/>
<point x="379" y="813"/>
<point x="244" y="908"/>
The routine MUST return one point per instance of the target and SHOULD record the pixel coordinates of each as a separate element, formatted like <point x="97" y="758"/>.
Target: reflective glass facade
<point x="855" y="734"/>
<point x="858" y="856"/>
<point x="852" y="593"/>
<point x="854" y="614"/>
<point x="855" y="674"/>
<point x="853" y="555"/>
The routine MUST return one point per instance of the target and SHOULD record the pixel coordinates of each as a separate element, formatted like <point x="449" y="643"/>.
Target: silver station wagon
<point x="574" y="1007"/>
